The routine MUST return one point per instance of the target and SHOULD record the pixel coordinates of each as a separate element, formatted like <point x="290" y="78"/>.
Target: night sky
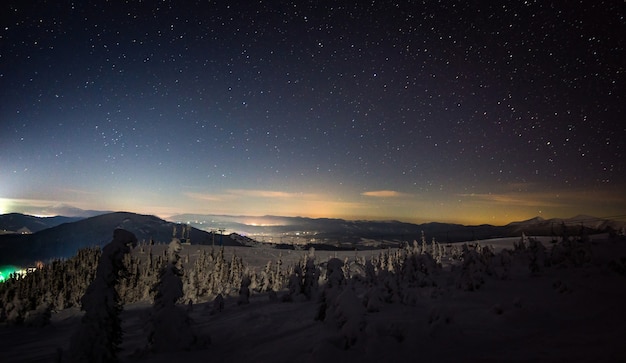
<point x="421" y="111"/>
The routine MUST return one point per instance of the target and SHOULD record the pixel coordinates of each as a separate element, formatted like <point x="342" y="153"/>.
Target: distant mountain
<point x="352" y="232"/>
<point x="61" y="210"/>
<point x="557" y="226"/>
<point x="22" y="223"/>
<point x="66" y="235"/>
<point x="65" y="239"/>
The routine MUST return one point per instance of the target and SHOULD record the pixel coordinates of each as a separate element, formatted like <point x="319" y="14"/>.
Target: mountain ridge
<point x="14" y="222"/>
<point x="68" y="235"/>
<point x="446" y="232"/>
<point x="65" y="239"/>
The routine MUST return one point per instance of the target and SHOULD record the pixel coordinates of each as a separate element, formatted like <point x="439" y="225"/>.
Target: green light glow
<point x="6" y="271"/>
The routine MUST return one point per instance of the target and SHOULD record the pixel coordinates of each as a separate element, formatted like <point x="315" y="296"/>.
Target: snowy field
<point x="559" y="313"/>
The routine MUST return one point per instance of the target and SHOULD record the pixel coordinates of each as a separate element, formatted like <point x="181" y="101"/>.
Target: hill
<point x="56" y="237"/>
<point x="558" y="226"/>
<point x="335" y="229"/>
<point x="18" y="223"/>
<point x="64" y="240"/>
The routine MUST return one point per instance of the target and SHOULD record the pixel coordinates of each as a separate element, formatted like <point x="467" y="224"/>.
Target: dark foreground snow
<point x="558" y="314"/>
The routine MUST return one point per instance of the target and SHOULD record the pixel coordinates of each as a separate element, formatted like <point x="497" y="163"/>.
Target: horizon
<point x="71" y="211"/>
<point x="495" y="209"/>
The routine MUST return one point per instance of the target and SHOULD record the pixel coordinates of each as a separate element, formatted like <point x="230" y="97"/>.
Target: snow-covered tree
<point x="218" y="304"/>
<point x="99" y="334"/>
<point x="374" y="299"/>
<point x="334" y="273"/>
<point x="334" y="284"/>
<point x="310" y="286"/>
<point x="500" y="265"/>
<point x="40" y="316"/>
<point x="473" y="269"/>
<point x="537" y="256"/>
<point x="170" y="324"/>
<point x="295" y="285"/>
<point x="244" y="291"/>
<point x="266" y="277"/>
<point x="521" y="244"/>
<point x="349" y="316"/>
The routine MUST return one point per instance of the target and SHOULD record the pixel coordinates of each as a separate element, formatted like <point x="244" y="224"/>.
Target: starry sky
<point x="420" y="111"/>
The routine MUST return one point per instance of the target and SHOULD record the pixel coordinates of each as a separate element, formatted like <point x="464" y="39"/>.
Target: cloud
<point x="517" y="199"/>
<point x="273" y="194"/>
<point x="384" y="194"/>
<point x="233" y="194"/>
<point x="78" y="191"/>
<point x="262" y="202"/>
<point x="531" y="195"/>
<point x="209" y="197"/>
<point x="262" y="193"/>
<point x="43" y="207"/>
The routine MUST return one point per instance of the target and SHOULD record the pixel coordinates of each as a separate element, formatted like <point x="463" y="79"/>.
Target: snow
<point x="556" y="314"/>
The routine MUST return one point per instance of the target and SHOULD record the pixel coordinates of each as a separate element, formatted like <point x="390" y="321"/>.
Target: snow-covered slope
<point x="567" y="311"/>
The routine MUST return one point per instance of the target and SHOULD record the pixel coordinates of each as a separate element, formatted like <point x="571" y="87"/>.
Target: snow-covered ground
<point x="558" y="314"/>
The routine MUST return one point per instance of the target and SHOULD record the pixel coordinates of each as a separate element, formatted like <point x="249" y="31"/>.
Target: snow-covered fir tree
<point x="310" y="286"/>
<point x="100" y="333"/>
<point x="244" y="291"/>
<point x="170" y="324"/>
<point x="472" y="269"/>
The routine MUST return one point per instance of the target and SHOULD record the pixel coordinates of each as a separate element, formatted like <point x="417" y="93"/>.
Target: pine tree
<point x="266" y="277"/>
<point x="473" y="268"/>
<point x="100" y="332"/>
<point x="295" y="284"/>
<point x="537" y="256"/>
<point x="244" y="291"/>
<point x="311" y="276"/>
<point x="171" y="326"/>
<point x="334" y="283"/>
<point x="218" y="304"/>
<point x="349" y="315"/>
